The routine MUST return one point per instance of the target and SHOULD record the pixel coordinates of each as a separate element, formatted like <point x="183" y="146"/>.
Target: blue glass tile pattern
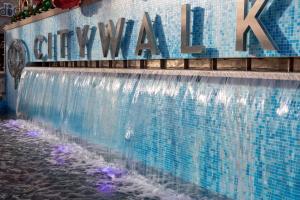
<point x="213" y="24"/>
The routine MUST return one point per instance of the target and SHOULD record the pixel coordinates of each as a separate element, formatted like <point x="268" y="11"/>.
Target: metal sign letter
<point x="82" y="36"/>
<point x="111" y="37"/>
<point x="49" y="45"/>
<point x="146" y="32"/>
<point x="245" y="22"/>
<point x="186" y="32"/>
<point x="63" y="41"/>
<point x="38" y="43"/>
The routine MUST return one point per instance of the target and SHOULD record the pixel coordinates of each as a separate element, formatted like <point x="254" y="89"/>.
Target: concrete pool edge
<point x="222" y="74"/>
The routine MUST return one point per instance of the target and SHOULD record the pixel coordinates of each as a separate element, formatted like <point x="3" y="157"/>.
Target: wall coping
<point x="222" y="74"/>
<point x="44" y="15"/>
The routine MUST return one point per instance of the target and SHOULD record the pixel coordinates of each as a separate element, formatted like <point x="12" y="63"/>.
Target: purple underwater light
<point x="32" y="133"/>
<point x="12" y="124"/>
<point x="60" y="154"/>
<point x="61" y="149"/>
<point x="59" y="161"/>
<point x="106" y="188"/>
<point x="111" y="172"/>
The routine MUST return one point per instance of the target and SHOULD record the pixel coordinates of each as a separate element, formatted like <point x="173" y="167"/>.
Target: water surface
<point x="36" y="163"/>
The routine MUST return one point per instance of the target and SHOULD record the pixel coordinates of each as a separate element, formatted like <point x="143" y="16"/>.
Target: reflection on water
<point x="37" y="164"/>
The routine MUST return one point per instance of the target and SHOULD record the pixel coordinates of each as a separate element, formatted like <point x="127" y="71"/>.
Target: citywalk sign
<point x="111" y="34"/>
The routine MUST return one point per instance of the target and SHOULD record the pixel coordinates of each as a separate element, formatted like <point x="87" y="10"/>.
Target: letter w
<point x="111" y="37"/>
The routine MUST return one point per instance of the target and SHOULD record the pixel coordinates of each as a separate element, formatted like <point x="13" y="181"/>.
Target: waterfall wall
<point x="209" y="28"/>
<point x="236" y="137"/>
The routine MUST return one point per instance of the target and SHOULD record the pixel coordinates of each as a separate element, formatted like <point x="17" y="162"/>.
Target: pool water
<point x="38" y="163"/>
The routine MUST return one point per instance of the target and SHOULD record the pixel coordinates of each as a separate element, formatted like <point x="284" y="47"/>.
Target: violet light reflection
<point x="33" y="133"/>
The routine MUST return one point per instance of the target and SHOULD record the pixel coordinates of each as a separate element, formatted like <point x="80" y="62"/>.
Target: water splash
<point x="111" y="172"/>
<point x="282" y="110"/>
<point x="61" y="149"/>
<point x="106" y="188"/>
<point x="110" y="178"/>
<point x="60" y="154"/>
<point x="129" y="134"/>
<point x="12" y="124"/>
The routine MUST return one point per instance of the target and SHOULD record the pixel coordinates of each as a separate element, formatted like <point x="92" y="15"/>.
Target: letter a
<point x="146" y="32"/>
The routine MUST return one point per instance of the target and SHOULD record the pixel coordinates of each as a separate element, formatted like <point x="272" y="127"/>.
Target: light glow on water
<point x="61" y="149"/>
<point x="106" y="188"/>
<point x="111" y="178"/>
<point x="112" y="172"/>
<point x="60" y="154"/>
<point x="32" y="133"/>
<point x="12" y="124"/>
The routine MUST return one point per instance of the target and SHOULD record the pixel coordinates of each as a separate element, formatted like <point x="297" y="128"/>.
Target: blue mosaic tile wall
<point x="235" y="137"/>
<point x="214" y="25"/>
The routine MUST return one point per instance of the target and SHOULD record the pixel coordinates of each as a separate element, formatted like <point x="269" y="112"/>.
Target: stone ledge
<point x="225" y="74"/>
